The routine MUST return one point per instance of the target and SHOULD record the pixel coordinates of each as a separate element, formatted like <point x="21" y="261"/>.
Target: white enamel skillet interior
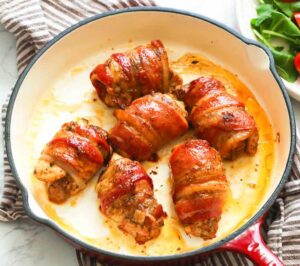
<point x="183" y="32"/>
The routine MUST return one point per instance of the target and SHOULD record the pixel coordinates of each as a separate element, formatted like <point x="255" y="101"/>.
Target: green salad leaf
<point x="287" y="8"/>
<point x="272" y="25"/>
<point x="284" y="61"/>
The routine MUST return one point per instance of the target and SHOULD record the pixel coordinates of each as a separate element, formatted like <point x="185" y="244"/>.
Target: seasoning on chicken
<point x="220" y="118"/>
<point x="135" y="73"/>
<point x="126" y="196"/>
<point x="71" y="159"/>
<point x="199" y="187"/>
<point x="146" y="125"/>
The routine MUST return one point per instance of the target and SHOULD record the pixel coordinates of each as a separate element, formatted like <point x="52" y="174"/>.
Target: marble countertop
<point x="26" y="242"/>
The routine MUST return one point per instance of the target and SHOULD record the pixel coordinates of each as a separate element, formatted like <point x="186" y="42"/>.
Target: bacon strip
<point x="220" y="118"/>
<point x="123" y="184"/>
<point x="130" y="75"/>
<point x="82" y="145"/>
<point x="125" y="192"/>
<point x="71" y="159"/>
<point x="146" y="125"/>
<point x="199" y="200"/>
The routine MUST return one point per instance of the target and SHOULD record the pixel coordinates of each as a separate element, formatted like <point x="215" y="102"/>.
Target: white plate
<point x="245" y="11"/>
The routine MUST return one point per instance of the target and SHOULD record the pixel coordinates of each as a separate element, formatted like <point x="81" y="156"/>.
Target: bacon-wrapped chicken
<point x="199" y="187"/>
<point x="71" y="159"/>
<point x="126" y="196"/>
<point x="130" y="75"/>
<point x="220" y="118"/>
<point x="147" y="124"/>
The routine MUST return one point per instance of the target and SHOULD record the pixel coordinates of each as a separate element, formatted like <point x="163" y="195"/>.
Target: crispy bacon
<point x="126" y="196"/>
<point x="200" y="187"/>
<point x="82" y="145"/>
<point x="146" y="125"/>
<point x="220" y="118"/>
<point x="130" y="75"/>
<point x="71" y="159"/>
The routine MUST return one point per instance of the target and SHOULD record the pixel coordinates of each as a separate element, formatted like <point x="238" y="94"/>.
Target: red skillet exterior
<point x="251" y="244"/>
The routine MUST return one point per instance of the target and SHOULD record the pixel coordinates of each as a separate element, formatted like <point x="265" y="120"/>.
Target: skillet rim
<point x="136" y="258"/>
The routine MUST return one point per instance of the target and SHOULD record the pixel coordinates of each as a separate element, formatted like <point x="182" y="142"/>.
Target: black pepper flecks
<point x="152" y="172"/>
<point x="277" y="138"/>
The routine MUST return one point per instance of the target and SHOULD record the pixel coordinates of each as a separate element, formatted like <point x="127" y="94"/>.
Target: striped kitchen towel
<point x="34" y="23"/>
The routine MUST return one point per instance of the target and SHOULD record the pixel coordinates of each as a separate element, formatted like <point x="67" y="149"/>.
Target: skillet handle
<point x="251" y="244"/>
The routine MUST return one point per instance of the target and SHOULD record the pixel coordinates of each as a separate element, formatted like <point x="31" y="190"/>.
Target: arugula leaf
<point x="266" y="2"/>
<point x="279" y="48"/>
<point x="281" y="24"/>
<point x="277" y="22"/>
<point x="264" y="15"/>
<point x="284" y="61"/>
<point x="282" y="36"/>
<point x="272" y="24"/>
<point x="285" y="65"/>
<point x="264" y="9"/>
<point x="287" y="8"/>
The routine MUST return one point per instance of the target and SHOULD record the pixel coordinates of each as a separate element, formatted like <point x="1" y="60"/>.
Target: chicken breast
<point x="133" y="74"/>
<point x="146" y="125"/>
<point x="200" y="187"/>
<point x="71" y="159"/>
<point x="126" y="196"/>
<point x="220" y="118"/>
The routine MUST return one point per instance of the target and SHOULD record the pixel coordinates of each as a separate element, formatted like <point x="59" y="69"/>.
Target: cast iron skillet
<point x="246" y="239"/>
